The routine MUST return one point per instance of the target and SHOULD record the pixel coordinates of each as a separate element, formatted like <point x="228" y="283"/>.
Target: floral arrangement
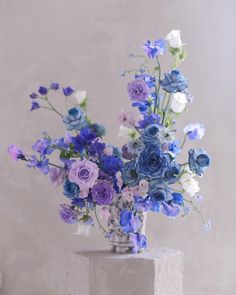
<point x="116" y="186"/>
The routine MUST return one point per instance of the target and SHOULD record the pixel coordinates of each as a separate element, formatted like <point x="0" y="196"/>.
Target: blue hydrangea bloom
<point x="198" y="161"/>
<point x="68" y="91"/>
<point x="35" y="106"/>
<point x="42" y="90"/>
<point x="174" y="82"/>
<point x="111" y="164"/>
<point x="150" y="134"/>
<point x="155" y="48"/>
<point x="152" y="162"/>
<point x="129" y="173"/>
<point x="76" y="119"/>
<point x="71" y="189"/>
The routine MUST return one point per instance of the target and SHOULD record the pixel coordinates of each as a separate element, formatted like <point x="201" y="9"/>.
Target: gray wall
<point x="85" y="44"/>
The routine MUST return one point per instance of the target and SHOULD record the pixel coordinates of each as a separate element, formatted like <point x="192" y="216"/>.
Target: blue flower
<point x="148" y="120"/>
<point x="78" y="202"/>
<point x="33" y="95"/>
<point x="87" y="135"/>
<point x="139" y="242"/>
<point x="155" y="48"/>
<point x="111" y="164"/>
<point x="171" y="173"/>
<point x="96" y="148"/>
<point x="67" y="214"/>
<point x="126" y="218"/>
<point x="159" y="192"/>
<point x="54" y="86"/>
<point x="68" y="91"/>
<point x="174" y="82"/>
<point x="142" y="106"/>
<point x="170" y="210"/>
<point x="78" y="143"/>
<point x="71" y="189"/>
<point x="35" y="106"/>
<point x="152" y="162"/>
<point x="141" y="203"/>
<point x="150" y="80"/>
<point x="174" y="147"/>
<point x="98" y="129"/>
<point x="198" y="161"/>
<point x="150" y="134"/>
<point x="129" y="174"/>
<point x="43" y="166"/>
<point x="195" y="131"/>
<point x="177" y="199"/>
<point x="42" y="90"/>
<point x="76" y="119"/>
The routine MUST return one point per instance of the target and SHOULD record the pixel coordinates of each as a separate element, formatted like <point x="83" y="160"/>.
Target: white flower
<point x="124" y="132"/>
<point x="195" y="131"/>
<point x="83" y="229"/>
<point x="189" y="184"/>
<point x="80" y="96"/>
<point x="178" y="102"/>
<point x="174" y="39"/>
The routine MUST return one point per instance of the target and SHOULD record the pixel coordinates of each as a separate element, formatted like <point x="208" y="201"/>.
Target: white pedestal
<point x="155" y="272"/>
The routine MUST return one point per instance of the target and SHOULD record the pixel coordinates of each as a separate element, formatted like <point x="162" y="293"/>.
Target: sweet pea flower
<point x="195" y="131"/>
<point x="57" y="175"/>
<point x="15" y="152"/>
<point x="174" y="39"/>
<point x="178" y="102"/>
<point x="127" y="119"/>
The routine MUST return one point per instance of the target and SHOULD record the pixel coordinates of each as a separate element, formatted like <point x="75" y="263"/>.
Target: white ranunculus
<point x="174" y="39"/>
<point x="124" y="132"/>
<point x="178" y="102"/>
<point x="189" y="184"/>
<point x="83" y="229"/>
<point x="80" y="96"/>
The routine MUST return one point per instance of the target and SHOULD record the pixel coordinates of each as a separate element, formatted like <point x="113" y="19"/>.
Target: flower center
<point x="84" y="173"/>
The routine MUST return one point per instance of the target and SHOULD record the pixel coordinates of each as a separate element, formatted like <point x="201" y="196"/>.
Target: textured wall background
<point x="85" y="44"/>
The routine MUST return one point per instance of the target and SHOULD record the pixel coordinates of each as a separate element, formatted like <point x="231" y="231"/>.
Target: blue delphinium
<point x="126" y="217"/>
<point x="111" y="164"/>
<point x="71" y="189"/>
<point x="130" y="174"/>
<point x="149" y="119"/>
<point x="87" y="135"/>
<point x="198" y="161"/>
<point x="76" y="119"/>
<point x="174" y="82"/>
<point x="155" y="48"/>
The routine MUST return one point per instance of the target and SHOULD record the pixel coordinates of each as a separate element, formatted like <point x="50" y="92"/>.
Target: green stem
<point x="53" y="108"/>
<point x="165" y="110"/>
<point x="157" y="89"/>
<point x="182" y="145"/>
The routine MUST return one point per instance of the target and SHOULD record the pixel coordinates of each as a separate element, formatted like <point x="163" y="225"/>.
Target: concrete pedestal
<point x="154" y="272"/>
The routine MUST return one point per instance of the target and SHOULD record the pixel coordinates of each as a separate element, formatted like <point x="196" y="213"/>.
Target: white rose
<point x="124" y="132"/>
<point x="174" y="39"/>
<point x="83" y="229"/>
<point x="80" y="96"/>
<point x="189" y="184"/>
<point x="178" y="102"/>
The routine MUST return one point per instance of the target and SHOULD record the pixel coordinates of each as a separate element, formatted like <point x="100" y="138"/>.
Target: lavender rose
<point x="138" y="90"/>
<point x="102" y="193"/>
<point x="84" y="173"/>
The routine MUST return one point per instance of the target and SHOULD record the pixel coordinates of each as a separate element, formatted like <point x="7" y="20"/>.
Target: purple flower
<point x="126" y="154"/>
<point x="102" y="193"/>
<point x="57" y="175"/>
<point x="170" y="210"/>
<point x="149" y="119"/>
<point x="155" y="48"/>
<point x="67" y="214"/>
<point x="84" y="173"/>
<point x="111" y="164"/>
<point x="195" y="131"/>
<point x="54" y="86"/>
<point x="138" y="90"/>
<point x="150" y="80"/>
<point x="68" y="91"/>
<point x="87" y="135"/>
<point x="35" y="106"/>
<point x="174" y="82"/>
<point x="43" y="166"/>
<point x="42" y="90"/>
<point x="15" y="152"/>
<point x="33" y="95"/>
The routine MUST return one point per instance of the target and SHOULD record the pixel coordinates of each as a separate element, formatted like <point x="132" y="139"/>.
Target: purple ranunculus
<point x="102" y="193"/>
<point x="194" y="131"/>
<point x="68" y="91"/>
<point x="84" y="173"/>
<point x="155" y="48"/>
<point x="67" y="214"/>
<point x="126" y="154"/>
<point x="35" y="106"/>
<point x="42" y="90"/>
<point x="138" y="90"/>
<point x="15" y="152"/>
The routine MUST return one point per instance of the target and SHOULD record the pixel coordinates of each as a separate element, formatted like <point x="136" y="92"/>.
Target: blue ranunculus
<point x="111" y="164"/>
<point x="68" y="91"/>
<point x="198" y="161"/>
<point x="129" y="173"/>
<point x="75" y="119"/>
<point x="159" y="192"/>
<point x="171" y="173"/>
<point x="71" y="189"/>
<point x="174" y="82"/>
<point x="152" y="162"/>
<point x="150" y="134"/>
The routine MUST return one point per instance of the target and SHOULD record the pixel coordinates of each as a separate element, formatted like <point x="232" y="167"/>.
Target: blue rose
<point x="129" y="173"/>
<point x="159" y="192"/>
<point x="171" y="173"/>
<point x="111" y="164"/>
<point x="198" y="161"/>
<point x="76" y="119"/>
<point x="152" y="162"/>
<point x="174" y="82"/>
<point x="150" y="134"/>
<point x="71" y="190"/>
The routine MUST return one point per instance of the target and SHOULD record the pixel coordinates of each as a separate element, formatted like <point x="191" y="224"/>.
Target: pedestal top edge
<point x="149" y="254"/>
